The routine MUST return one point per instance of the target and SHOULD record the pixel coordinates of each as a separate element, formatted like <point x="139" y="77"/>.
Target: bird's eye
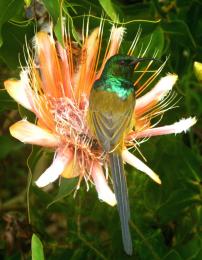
<point x="122" y="62"/>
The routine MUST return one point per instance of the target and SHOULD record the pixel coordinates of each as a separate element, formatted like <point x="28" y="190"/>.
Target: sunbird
<point x="111" y="108"/>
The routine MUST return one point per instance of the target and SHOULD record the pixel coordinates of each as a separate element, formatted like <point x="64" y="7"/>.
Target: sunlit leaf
<point x="27" y="2"/>
<point x="37" y="248"/>
<point x="198" y="70"/>
<point x="53" y="8"/>
<point x="107" y="5"/>
<point x="58" y="30"/>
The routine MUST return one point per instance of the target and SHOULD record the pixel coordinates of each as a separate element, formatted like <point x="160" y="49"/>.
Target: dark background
<point x="166" y="220"/>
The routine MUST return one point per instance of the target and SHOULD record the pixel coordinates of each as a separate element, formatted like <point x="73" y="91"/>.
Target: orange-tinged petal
<point x="29" y="133"/>
<point x="49" y="65"/>
<point x="182" y="126"/>
<point x="104" y="192"/>
<point x="159" y="91"/>
<point x="55" y="169"/>
<point x="65" y="70"/>
<point x="116" y="39"/>
<point x="17" y="89"/>
<point x="114" y="44"/>
<point x="138" y="164"/>
<point x="91" y="47"/>
<point x="71" y="170"/>
<point x="83" y="79"/>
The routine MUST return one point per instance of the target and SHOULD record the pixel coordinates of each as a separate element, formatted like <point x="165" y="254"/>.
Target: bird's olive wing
<point x="110" y="127"/>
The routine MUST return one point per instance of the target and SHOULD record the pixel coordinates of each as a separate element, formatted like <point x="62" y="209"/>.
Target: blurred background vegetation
<point x="166" y="220"/>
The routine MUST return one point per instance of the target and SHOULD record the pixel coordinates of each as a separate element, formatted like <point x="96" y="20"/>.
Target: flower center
<point x="71" y="124"/>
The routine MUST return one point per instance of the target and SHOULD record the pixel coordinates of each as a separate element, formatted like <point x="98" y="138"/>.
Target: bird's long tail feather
<point x="121" y="192"/>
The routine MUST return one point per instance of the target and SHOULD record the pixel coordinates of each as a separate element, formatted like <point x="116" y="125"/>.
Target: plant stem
<point x="92" y="247"/>
<point x="148" y="245"/>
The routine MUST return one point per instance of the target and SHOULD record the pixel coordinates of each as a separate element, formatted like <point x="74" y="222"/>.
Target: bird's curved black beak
<point x="137" y="60"/>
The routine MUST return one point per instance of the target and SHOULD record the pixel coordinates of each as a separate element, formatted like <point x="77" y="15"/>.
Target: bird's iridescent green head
<point x="119" y="66"/>
<point x="122" y="66"/>
<point x="117" y="76"/>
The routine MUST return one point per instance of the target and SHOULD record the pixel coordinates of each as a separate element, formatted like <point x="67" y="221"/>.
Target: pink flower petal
<point x="19" y="90"/>
<point x="92" y="47"/>
<point x="65" y="70"/>
<point x="55" y="169"/>
<point x="86" y="73"/>
<point x="115" y="40"/>
<point x="29" y="133"/>
<point x="49" y="64"/>
<point x="104" y="192"/>
<point x="138" y="164"/>
<point x="182" y="126"/>
<point x="156" y="94"/>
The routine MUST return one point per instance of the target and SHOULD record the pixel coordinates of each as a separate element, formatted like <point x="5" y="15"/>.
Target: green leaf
<point x="53" y="8"/>
<point x="34" y="157"/>
<point x="43" y="196"/>
<point x="70" y="23"/>
<point x="9" y="8"/>
<point x="198" y="70"/>
<point x="107" y="5"/>
<point x="39" y="160"/>
<point x="58" y="30"/>
<point x="73" y="30"/>
<point x="8" y="144"/>
<point x="191" y="249"/>
<point x="14" y="39"/>
<point x="66" y="187"/>
<point x="154" y="41"/>
<point x="27" y="2"/>
<point x="181" y="177"/>
<point x="173" y="255"/>
<point x="180" y="32"/>
<point x="6" y="101"/>
<point x="183" y="3"/>
<point x="137" y="11"/>
<point x="43" y="162"/>
<point x="147" y="27"/>
<point x="37" y="248"/>
<point x="25" y="113"/>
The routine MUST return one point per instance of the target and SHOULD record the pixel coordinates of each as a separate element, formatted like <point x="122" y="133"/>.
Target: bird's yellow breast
<point x="106" y="101"/>
<point x="109" y="117"/>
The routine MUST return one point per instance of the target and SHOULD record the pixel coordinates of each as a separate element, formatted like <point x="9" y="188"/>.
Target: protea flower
<point x="55" y="86"/>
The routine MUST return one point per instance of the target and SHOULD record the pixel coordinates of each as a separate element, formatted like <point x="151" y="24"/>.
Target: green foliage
<point x="9" y="9"/>
<point x="14" y="36"/>
<point x="67" y="186"/>
<point x="37" y="248"/>
<point x="6" y="101"/>
<point x="198" y="71"/>
<point x="108" y="7"/>
<point x="166" y="220"/>
<point x="53" y="8"/>
<point x="8" y="145"/>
